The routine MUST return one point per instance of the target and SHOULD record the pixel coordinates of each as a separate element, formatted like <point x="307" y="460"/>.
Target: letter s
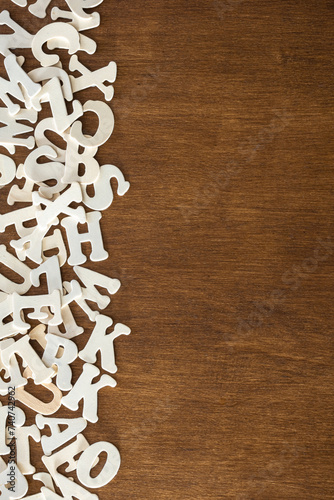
<point x="103" y="196"/>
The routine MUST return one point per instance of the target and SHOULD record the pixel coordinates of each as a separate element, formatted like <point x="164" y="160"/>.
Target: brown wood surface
<point x="224" y="246"/>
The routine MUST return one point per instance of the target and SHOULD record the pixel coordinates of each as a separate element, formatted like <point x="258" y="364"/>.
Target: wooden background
<point x="224" y="246"/>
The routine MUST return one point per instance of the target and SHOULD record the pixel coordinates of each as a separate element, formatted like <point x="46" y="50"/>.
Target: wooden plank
<point x="224" y="127"/>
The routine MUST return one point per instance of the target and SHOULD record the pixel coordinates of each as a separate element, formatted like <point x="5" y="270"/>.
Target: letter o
<point x="87" y="460"/>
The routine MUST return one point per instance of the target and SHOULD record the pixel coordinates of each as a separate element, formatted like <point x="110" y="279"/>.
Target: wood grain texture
<point x="224" y="127"/>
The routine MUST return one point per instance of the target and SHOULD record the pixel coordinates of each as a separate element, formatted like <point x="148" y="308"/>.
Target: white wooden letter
<point x="64" y="35"/>
<point x="100" y="341"/>
<point x="16" y="75"/>
<point x="103" y="196"/>
<point x="68" y="488"/>
<point x="105" y="128"/>
<point x="93" y="78"/>
<point x="22" y="347"/>
<point x="19" y="267"/>
<point x="88" y="392"/>
<point x="20" y="39"/>
<point x="37" y="302"/>
<point x="59" y="438"/>
<point x="87" y="460"/>
<point x="9" y="133"/>
<point x="75" y="239"/>
<point x="7" y="170"/>
<point x="60" y="205"/>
